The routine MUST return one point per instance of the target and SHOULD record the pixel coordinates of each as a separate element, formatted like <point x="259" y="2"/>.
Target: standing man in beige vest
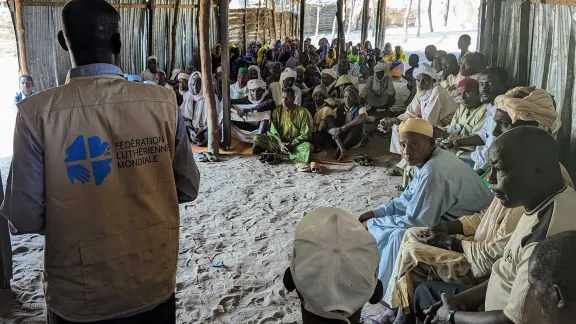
<point x="100" y="165"/>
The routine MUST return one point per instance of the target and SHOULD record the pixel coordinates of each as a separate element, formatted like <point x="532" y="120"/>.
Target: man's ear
<point x="289" y="281"/>
<point x="558" y="298"/>
<point x="116" y="43"/>
<point x="378" y="293"/>
<point x="62" y="41"/>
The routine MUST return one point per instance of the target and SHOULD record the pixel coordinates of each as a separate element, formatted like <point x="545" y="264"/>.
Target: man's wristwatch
<point x="450" y="317"/>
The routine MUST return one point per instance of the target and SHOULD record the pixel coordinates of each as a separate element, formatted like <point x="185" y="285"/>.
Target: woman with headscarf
<point x="193" y="111"/>
<point x="239" y="90"/>
<point x="396" y="61"/>
<point x="379" y="91"/>
<point x="261" y="52"/>
<point x="254" y="73"/>
<point x="216" y="57"/>
<point x="330" y="58"/>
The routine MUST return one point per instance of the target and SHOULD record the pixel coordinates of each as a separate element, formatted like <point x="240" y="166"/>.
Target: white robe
<point x="438" y="109"/>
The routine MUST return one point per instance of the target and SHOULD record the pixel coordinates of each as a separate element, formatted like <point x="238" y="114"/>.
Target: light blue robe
<point x="443" y="189"/>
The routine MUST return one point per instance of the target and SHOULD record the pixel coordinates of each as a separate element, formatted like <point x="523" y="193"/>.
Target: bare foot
<point x="342" y="155"/>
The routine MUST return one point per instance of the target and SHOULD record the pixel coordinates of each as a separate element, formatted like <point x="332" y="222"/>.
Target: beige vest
<point x="112" y="220"/>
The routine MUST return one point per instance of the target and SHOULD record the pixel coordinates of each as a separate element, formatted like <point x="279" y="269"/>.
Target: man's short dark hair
<point x="26" y="76"/>
<point x="290" y="92"/>
<point x="466" y="37"/>
<point x="497" y="71"/>
<point x="90" y="24"/>
<point x="554" y="263"/>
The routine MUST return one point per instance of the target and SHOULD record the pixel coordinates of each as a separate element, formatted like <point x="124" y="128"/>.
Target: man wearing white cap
<point x="333" y="268"/>
<point x="287" y="80"/>
<point x="443" y="189"/>
<point x="152" y="64"/>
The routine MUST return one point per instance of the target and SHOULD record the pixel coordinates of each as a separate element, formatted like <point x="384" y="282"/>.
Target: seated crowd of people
<point x="481" y="232"/>
<point x="483" y="228"/>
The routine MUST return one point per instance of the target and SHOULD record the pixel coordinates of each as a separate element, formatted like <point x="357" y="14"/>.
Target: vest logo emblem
<point x="98" y="156"/>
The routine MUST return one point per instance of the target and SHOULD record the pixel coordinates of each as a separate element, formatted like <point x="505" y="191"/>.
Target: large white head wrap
<point x="256" y="84"/>
<point x="151" y="57"/>
<point x="254" y="67"/>
<point x="537" y="106"/>
<point x="288" y="73"/>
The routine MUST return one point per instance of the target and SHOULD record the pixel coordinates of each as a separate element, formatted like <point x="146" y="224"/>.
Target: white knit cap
<point x="334" y="263"/>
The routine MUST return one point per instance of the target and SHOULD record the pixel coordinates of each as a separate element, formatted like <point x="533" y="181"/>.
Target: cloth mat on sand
<point x="236" y="147"/>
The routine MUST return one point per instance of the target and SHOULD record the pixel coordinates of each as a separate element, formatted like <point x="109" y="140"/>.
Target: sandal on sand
<point x="364" y="160"/>
<point x="303" y="167"/>
<point x="264" y="158"/>
<point x="394" y="173"/>
<point x="211" y="157"/>
<point x="399" y="188"/>
<point x="200" y="157"/>
<point x="274" y="159"/>
<point x="315" y="167"/>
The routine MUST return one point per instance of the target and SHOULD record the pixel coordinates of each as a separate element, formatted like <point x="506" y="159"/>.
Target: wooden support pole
<point x="174" y="32"/>
<point x="333" y="29"/>
<point x="446" y="11"/>
<point x="430" y="15"/>
<point x="244" y="28"/>
<point x="496" y="32"/>
<point x="406" y="16"/>
<point x="481" y="26"/>
<point x="151" y="8"/>
<point x="317" y="21"/>
<point x="487" y="50"/>
<point x="225" y="63"/>
<point x="340" y="18"/>
<point x="207" y="84"/>
<point x="524" y="45"/>
<point x="301" y="25"/>
<point x="381" y="36"/>
<point x="258" y="22"/>
<point x="273" y="2"/>
<point x="350" y="19"/>
<point x="377" y="24"/>
<point x="365" y="21"/>
<point x="197" y="61"/>
<point x="21" y="35"/>
<point x="419" y="19"/>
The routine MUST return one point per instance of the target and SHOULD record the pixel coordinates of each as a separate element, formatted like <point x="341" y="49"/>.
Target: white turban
<point x="175" y="73"/>
<point x="331" y="72"/>
<point x="149" y="82"/>
<point x="256" y="84"/>
<point x="152" y="57"/>
<point x="254" y="67"/>
<point x="288" y="73"/>
<point x="184" y="76"/>
<point x="427" y="69"/>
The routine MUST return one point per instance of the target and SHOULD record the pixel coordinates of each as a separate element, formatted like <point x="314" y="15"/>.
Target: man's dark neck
<point x="85" y="58"/>
<point x="463" y="51"/>
<point x="540" y="197"/>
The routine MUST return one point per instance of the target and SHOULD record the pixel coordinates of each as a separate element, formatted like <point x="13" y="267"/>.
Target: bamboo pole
<point x="333" y="29"/>
<point x="258" y="22"/>
<point x="350" y="19"/>
<point x="301" y="25"/>
<point x="488" y="32"/>
<point x="151" y="9"/>
<point x="174" y="32"/>
<point x="430" y="15"/>
<point x="382" y="23"/>
<point x="365" y="21"/>
<point x="21" y="34"/>
<point x="317" y="21"/>
<point x="406" y="16"/>
<point x="419" y="18"/>
<point x="244" y="28"/>
<point x="339" y="15"/>
<point x="197" y="62"/>
<point x="496" y="32"/>
<point x="524" y="45"/>
<point x="273" y="2"/>
<point x="207" y="84"/>
<point x="225" y="59"/>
